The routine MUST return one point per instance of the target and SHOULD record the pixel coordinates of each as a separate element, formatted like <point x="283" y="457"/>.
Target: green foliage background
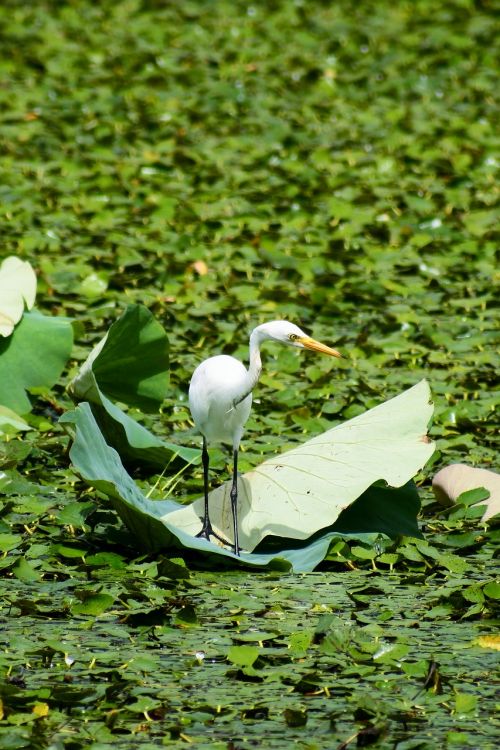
<point x="227" y="163"/>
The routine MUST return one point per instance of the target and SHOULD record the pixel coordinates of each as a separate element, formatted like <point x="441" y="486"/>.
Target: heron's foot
<point x="207" y="532"/>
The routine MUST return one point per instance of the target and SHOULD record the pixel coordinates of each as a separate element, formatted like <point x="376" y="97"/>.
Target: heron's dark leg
<point x="206" y="528"/>
<point x="234" y="502"/>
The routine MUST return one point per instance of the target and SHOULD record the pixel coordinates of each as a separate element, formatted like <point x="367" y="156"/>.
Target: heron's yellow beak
<point x="317" y="346"/>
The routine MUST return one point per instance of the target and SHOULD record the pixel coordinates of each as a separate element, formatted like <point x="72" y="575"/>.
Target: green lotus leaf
<point x="34" y="356"/>
<point x="130" y="365"/>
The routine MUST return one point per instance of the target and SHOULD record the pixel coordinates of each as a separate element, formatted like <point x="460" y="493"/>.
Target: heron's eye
<point x="293" y="336"/>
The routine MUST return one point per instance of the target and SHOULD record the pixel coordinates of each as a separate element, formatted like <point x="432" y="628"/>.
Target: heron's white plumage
<point x="220" y="399"/>
<point x="215" y="385"/>
<point x="279" y="330"/>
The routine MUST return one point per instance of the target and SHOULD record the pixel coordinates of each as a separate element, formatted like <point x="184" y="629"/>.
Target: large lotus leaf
<point x="33" y="357"/>
<point x="389" y="510"/>
<point x="131" y="364"/>
<point x="305" y="489"/>
<point x="150" y="520"/>
<point x="134" y="443"/>
<point x="17" y="288"/>
<point x="290" y="496"/>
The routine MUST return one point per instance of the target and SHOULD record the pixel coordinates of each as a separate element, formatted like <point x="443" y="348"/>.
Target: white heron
<point x="220" y="399"/>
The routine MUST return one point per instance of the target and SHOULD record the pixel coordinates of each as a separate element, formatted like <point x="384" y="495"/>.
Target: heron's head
<point x="292" y="335"/>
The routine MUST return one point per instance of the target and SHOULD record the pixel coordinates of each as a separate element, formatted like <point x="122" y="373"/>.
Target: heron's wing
<point x="214" y="386"/>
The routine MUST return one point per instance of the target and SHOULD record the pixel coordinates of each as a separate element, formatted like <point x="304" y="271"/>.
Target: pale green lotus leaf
<point x="17" y="289"/>
<point x="378" y="513"/>
<point x="296" y="493"/>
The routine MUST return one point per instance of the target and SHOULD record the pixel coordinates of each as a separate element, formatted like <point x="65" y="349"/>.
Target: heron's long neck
<point x="254" y="366"/>
<point x="255" y="363"/>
